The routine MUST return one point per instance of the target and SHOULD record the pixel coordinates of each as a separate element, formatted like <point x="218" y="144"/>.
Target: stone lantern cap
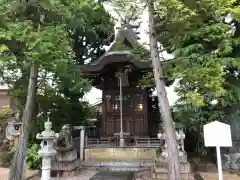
<point x="48" y="133"/>
<point x="14" y="122"/>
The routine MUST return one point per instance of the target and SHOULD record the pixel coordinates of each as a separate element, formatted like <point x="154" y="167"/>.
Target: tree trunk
<point x="173" y="156"/>
<point x="18" y="165"/>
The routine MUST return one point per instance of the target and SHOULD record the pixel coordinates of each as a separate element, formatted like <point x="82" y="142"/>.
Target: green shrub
<point x="4" y="112"/>
<point x="33" y="159"/>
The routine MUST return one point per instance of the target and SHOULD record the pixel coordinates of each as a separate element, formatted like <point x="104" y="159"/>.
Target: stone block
<point x="160" y="171"/>
<point x="145" y="153"/>
<point x="99" y="154"/>
<point x="65" y="163"/>
<point x="127" y="154"/>
<point x="185" y="168"/>
<point x="66" y="166"/>
<point x="183" y="158"/>
<point x="164" y="176"/>
<point x="124" y="153"/>
<point x="70" y="155"/>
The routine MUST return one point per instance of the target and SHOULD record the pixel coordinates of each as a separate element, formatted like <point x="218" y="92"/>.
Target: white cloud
<point x="95" y="95"/>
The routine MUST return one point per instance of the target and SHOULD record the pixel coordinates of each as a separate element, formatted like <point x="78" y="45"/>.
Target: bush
<point x="4" y="112"/>
<point x="33" y="159"/>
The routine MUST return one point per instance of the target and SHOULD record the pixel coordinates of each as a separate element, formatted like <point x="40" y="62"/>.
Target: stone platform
<point x="120" y="154"/>
<point x="65" y="163"/>
<point x="160" y="172"/>
<point x="160" y="168"/>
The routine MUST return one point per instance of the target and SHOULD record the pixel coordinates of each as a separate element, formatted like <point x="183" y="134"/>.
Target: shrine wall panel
<point x="134" y="111"/>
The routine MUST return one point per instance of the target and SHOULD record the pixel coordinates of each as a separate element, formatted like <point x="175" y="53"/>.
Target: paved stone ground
<point x="214" y="176"/>
<point x="142" y="175"/>
<point x="84" y="174"/>
<point x="106" y="175"/>
<point x="91" y="174"/>
<point x="4" y="173"/>
<point x="209" y="171"/>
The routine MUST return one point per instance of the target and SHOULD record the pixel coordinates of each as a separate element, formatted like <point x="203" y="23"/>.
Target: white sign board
<point x="217" y="134"/>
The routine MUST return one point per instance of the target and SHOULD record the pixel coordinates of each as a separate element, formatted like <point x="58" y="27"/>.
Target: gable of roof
<point x="124" y="36"/>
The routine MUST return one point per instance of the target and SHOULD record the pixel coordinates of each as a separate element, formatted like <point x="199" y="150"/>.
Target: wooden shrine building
<point x="140" y="115"/>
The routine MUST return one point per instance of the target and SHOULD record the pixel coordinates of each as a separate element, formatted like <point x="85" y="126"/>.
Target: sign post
<point x="217" y="134"/>
<point x="219" y="163"/>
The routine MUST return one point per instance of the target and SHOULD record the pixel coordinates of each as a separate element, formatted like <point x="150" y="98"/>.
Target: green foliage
<point x="4" y="112"/>
<point x="193" y="118"/>
<point x="33" y="159"/>
<point x="147" y="80"/>
<point x="57" y="35"/>
<point x="141" y="52"/>
<point x="203" y="47"/>
<point x="91" y="29"/>
<point x="127" y="10"/>
<point x="137" y="50"/>
<point x="205" y="44"/>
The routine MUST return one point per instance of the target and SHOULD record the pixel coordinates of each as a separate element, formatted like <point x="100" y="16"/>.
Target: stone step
<point x="164" y="176"/>
<point x="159" y="160"/>
<point x="160" y="171"/>
<point x="117" y="164"/>
<point x="184" y="167"/>
<point x="121" y="169"/>
<point x="160" y="176"/>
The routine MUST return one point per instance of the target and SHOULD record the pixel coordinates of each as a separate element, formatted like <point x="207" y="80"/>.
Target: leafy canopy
<point x="57" y="35"/>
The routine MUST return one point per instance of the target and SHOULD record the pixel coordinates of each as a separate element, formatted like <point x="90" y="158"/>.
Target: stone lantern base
<point x="65" y="163"/>
<point x="160" y="168"/>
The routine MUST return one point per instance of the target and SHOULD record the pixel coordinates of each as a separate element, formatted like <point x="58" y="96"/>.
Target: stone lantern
<point x="13" y="131"/>
<point x="47" y="150"/>
<point x="158" y="170"/>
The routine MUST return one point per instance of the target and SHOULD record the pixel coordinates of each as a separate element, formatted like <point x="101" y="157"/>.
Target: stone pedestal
<point x="160" y="169"/>
<point x="160" y="165"/>
<point x="65" y="163"/>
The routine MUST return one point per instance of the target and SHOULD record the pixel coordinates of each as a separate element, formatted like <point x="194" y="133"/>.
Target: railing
<point x="114" y="142"/>
<point x="147" y="142"/>
<point x="101" y="142"/>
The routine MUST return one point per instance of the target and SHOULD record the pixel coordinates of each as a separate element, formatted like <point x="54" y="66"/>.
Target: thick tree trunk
<point x="173" y="157"/>
<point x="18" y="165"/>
